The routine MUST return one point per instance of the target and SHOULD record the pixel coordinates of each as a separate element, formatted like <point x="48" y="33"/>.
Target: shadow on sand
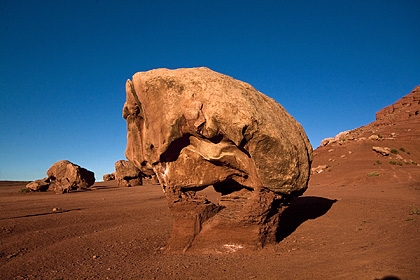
<point x="300" y="210"/>
<point x="42" y="214"/>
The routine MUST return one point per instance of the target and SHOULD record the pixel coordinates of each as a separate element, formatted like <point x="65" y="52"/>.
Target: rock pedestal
<point x="195" y="128"/>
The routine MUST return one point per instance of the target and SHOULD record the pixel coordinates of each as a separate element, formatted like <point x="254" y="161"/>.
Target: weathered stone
<point x="318" y="169"/>
<point x="195" y="128"/>
<point x="39" y="185"/>
<point x="66" y="176"/>
<point x="152" y="179"/>
<point x="127" y="174"/>
<point x="385" y="151"/>
<point x="109" y="177"/>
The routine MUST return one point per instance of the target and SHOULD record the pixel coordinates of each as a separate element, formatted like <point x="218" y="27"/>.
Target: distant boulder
<point x="109" y="177"/>
<point x="127" y="174"/>
<point x="39" y="185"/>
<point x="66" y="176"/>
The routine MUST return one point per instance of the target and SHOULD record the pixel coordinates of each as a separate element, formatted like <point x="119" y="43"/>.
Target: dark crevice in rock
<point x="174" y="149"/>
<point x="216" y="139"/>
<point x="229" y="186"/>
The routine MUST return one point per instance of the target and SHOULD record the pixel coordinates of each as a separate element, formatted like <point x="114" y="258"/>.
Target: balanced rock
<point x="66" y="176"/>
<point x="195" y="128"/>
<point x="127" y="174"/>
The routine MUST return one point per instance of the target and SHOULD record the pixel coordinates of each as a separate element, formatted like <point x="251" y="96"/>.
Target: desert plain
<point x="109" y="232"/>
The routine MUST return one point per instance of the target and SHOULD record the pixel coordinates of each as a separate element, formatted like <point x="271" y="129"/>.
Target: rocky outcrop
<point x="127" y="174"/>
<point x="388" y="146"/>
<point x="109" y="177"/>
<point x="339" y="137"/>
<point x="405" y="108"/>
<point x="64" y="176"/>
<point x="195" y="128"/>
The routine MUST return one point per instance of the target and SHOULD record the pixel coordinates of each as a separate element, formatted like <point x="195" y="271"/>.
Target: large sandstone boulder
<point x="66" y="176"/>
<point x="127" y="174"/>
<point x="195" y="128"/>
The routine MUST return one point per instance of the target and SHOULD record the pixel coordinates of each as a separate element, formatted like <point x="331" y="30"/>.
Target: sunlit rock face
<point x="195" y="128"/>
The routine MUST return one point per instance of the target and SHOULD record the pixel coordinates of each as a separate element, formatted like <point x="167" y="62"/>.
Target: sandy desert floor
<point x="332" y="232"/>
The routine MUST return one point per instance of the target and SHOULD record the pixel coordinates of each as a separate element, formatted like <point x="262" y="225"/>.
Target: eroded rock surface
<point x="127" y="174"/>
<point x="195" y="128"/>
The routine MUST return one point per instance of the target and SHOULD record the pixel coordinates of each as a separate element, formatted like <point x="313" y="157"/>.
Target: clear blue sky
<point x="64" y="64"/>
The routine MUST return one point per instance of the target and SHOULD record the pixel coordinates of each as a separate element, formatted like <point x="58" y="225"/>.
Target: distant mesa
<point x="63" y="177"/>
<point x="194" y="129"/>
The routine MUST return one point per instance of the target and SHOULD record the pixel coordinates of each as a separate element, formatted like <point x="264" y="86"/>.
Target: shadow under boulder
<point x="300" y="210"/>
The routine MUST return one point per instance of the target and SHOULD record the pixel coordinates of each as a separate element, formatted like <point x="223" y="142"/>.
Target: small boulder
<point x="39" y="185"/>
<point x="327" y="141"/>
<point x="342" y="136"/>
<point x="127" y="174"/>
<point x="382" y="150"/>
<point x="109" y="177"/>
<point x="318" y="169"/>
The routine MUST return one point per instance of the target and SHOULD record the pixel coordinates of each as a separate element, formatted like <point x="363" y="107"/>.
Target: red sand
<point x="332" y="232"/>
